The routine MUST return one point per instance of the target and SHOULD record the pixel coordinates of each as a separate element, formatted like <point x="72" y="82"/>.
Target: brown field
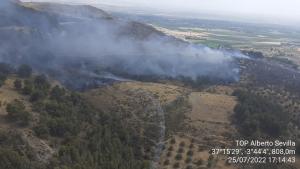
<point x="209" y="120"/>
<point x="184" y="34"/>
<point x="209" y="107"/>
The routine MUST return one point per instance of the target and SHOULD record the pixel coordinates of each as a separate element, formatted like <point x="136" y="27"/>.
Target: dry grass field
<point x="122" y="92"/>
<point x="215" y="108"/>
<point x="165" y="93"/>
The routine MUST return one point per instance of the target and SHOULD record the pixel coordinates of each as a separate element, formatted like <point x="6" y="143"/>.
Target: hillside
<point x="55" y="37"/>
<point x="82" y="89"/>
<point x="71" y="11"/>
<point x="44" y="125"/>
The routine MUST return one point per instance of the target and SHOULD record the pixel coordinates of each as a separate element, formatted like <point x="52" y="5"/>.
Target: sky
<point x="271" y="11"/>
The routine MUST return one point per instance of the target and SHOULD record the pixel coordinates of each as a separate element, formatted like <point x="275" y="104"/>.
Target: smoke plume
<point x="84" y="39"/>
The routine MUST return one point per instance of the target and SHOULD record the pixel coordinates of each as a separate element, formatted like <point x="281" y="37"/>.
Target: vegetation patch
<point x="255" y="115"/>
<point x="83" y="137"/>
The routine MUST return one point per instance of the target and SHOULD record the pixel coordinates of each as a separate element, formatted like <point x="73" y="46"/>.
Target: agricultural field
<point x="273" y="41"/>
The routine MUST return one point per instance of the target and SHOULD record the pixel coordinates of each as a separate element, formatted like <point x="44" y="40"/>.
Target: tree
<point x="257" y="115"/>
<point x="28" y="87"/>
<point x="178" y="157"/>
<point x="57" y="93"/>
<point x="18" y="84"/>
<point x="15" y="108"/>
<point x="10" y="159"/>
<point x="2" y="79"/>
<point x="41" y="130"/>
<point x="210" y="161"/>
<point x="37" y="95"/>
<point x="24" y="71"/>
<point x="16" y="112"/>
<point x="41" y="83"/>
<point x="5" y="69"/>
<point x="166" y="162"/>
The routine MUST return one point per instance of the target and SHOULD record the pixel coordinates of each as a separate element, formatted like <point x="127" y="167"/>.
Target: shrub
<point x="200" y="148"/>
<point x="210" y="161"/>
<point x="28" y="87"/>
<point x="166" y="162"/>
<point x="173" y="141"/>
<point x="16" y="112"/>
<point x="189" y="167"/>
<point x="15" y="108"/>
<point x="176" y="165"/>
<point x="170" y="148"/>
<point x="10" y="159"/>
<point x="199" y="162"/>
<point x="18" y="84"/>
<point x="180" y="150"/>
<point x="41" y="131"/>
<point x="57" y="93"/>
<point x="37" y="95"/>
<point x="2" y="79"/>
<point x="182" y="144"/>
<point x="178" y="157"/>
<point x="24" y="118"/>
<point x="190" y="153"/>
<point x="5" y="69"/>
<point x="188" y="160"/>
<point x="146" y="164"/>
<point x="24" y="71"/>
<point x="59" y="127"/>
<point x="191" y="146"/>
<point x="41" y="83"/>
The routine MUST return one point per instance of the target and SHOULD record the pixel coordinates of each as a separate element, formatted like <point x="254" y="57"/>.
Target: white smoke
<point x="125" y="46"/>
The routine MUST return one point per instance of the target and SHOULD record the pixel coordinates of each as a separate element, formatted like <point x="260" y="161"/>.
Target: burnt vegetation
<point x="261" y="73"/>
<point x="199" y="82"/>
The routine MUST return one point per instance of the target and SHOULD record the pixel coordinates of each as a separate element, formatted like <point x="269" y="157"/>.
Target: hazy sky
<point x="277" y="11"/>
